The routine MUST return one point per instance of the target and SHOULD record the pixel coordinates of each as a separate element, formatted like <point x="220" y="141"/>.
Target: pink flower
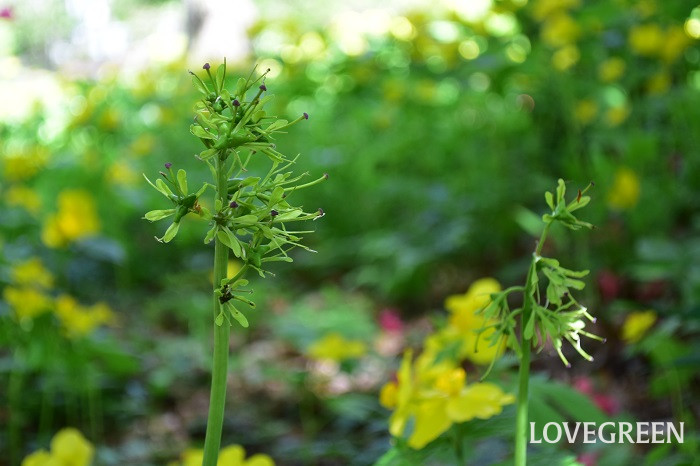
<point x="608" y="404"/>
<point x="588" y="459"/>
<point x="390" y="321"/>
<point x="6" y="13"/>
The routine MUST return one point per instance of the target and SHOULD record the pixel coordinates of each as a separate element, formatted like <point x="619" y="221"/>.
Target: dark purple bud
<point x="236" y="103"/>
<point x="325" y="176"/>
<point x="274" y="213"/>
<point x="306" y="116"/>
<point x="168" y="165"/>
<point x="263" y="87"/>
<point x="321" y="212"/>
<point x="206" y="66"/>
<point x="592" y="183"/>
<point x="233" y="204"/>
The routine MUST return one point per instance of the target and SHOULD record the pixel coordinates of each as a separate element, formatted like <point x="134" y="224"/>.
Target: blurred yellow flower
<point x="585" y="111"/>
<point x="625" y="190"/>
<point x="233" y="455"/>
<point x="26" y="302"/>
<point x="68" y="448"/>
<point x="566" y="57"/>
<point x="143" y="145"/>
<point x="78" y="320"/>
<point x="637" y="324"/>
<point x="335" y="347"/>
<point x="18" y="166"/>
<point x="71" y="448"/>
<point x="388" y="395"/>
<point x="611" y="69"/>
<point x="646" y="39"/>
<point x="121" y="173"/>
<point x="658" y="83"/>
<point x="436" y="406"/>
<point x="32" y="272"/>
<point x="560" y="30"/>
<point x="675" y="43"/>
<point x="76" y="218"/>
<point x="614" y="116"/>
<point x="541" y="9"/>
<point x="24" y="197"/>
<point x="464" y="322"/>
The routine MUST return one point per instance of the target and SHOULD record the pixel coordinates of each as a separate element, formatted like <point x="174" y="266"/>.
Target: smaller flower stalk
<point x="252" y="211"/>
<point x="548" y="313"/>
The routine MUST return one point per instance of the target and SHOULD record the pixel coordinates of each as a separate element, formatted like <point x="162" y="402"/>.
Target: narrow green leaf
<point x="240" y="88"/>
<point x="170" y="232"/>
<point x="163" y="188"/>
<point x="182" y="180"/>
<point x="276" y="196"/>
<point x="246" y="220"/>
<point x="530" y="325"/>
<point x="550" y="200"/>
<point x="276" y="124"/>
<point x="156" y="215"/>
<point x="219" y="321"/>
<point x="199" y="84"/>
<point x="210" y="234"/>
<point x="200" y="132"/>
<point x="220" y="75"/>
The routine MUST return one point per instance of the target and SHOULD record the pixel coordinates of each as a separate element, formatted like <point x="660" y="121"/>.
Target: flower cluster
<point x="76" y="218"/>
<point x="68" y="448"/>
<point x="432" y="389"/>
<point x="251" y="213"/>
<point x="335" y="347"/>
<point x="30" y="295"/>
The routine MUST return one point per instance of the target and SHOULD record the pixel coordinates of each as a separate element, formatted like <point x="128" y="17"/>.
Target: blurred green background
<point x="440" y="125"/>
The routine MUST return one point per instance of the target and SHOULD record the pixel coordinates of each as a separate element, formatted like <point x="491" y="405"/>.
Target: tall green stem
<point x="521" y="420"/>
<point x="217" y="398"/>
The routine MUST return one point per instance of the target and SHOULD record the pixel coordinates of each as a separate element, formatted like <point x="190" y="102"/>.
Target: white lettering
<point x="610" y="439"/>
<point x="625" y="430"/>
<point x="546" y="430"/>
<point x="657" y="431"/>
<point x="532" y="434"/>
<point x="589" y="432"/>
<point x="571" y="436"/>
<point x="644" y="431"/>
<point x="672" y="428"/>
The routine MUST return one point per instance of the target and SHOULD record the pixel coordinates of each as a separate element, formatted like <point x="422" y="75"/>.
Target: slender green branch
<point x="521" y="421"/>
<point x="217" y="399"/>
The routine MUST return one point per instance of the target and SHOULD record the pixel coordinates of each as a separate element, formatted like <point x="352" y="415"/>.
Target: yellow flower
<point x="453" y="401"/>
<point x="143" y="145"/>
<point x="335" y="347"/>
<point x="26" y="302"/>
<point x="658" y="83"/>
<point x="388" y="395"/>
<point x="675" y="43"/>
<point x="566" y="57"/>
<point x="70" y="447"/>
<point x="40" y="458"/>
<point x="24" y="197"/>
<point x="464" y="322"/>
<point x="616" y="115"/>
<point x="32" y="272"/>
<point x="76" y="218"/>
<point x="625" y="190"/>
<point x="647" y="39"/>
<point x="611" y="69"/>
<point x="233" y="455"/>
<point x="636" y="325"/>
<point x="560" y="30"/>
<point x="121" y="173"/>
<point x="585" y="111"/>
<point x="21" y="164"/>
<point x="79" y="321"/>
<point x="543" y="8"/>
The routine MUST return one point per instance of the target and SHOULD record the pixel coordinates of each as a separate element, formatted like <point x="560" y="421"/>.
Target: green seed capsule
<point x="180" y="212"/>
<point x="188" y="202"/>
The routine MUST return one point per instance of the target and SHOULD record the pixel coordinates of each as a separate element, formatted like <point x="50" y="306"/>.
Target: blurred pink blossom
<point x="587" y="459"/>
<point x="390" y="321"/>
<point x="6" y="12"/>
<point x="607" y="403"/>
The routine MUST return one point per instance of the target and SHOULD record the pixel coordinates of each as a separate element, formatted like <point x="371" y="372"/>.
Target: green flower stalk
<point x="251" y="213"/>
<point x="553" y="315"/>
